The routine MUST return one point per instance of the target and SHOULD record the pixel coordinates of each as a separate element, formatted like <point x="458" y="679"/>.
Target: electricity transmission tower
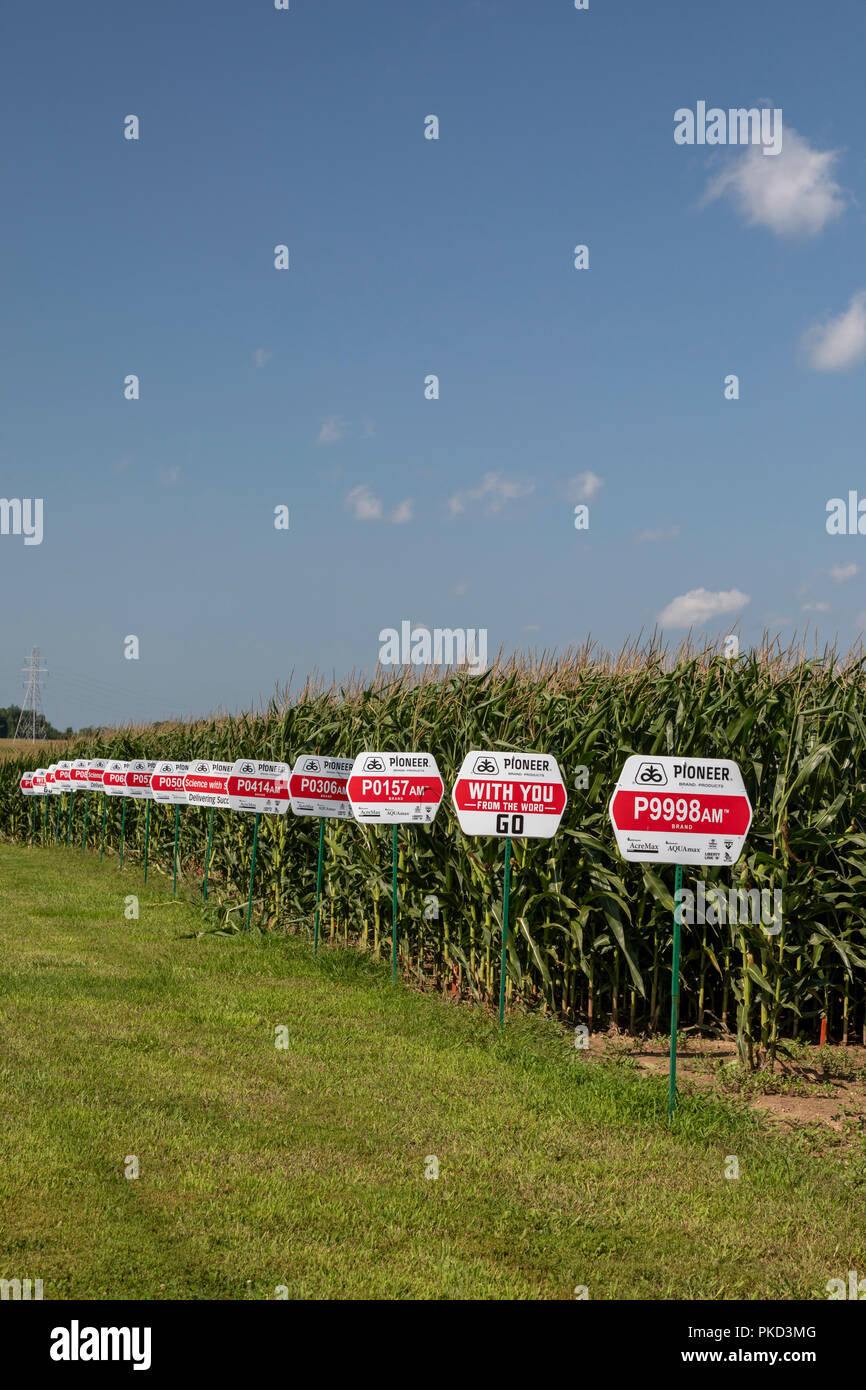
<point x="31" y="716"/>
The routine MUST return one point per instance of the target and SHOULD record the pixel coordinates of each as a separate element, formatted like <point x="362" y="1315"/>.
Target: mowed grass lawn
<point x="306" y="1167"/>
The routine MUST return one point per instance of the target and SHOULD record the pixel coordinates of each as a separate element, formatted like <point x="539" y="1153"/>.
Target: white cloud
<point x="840" y="342"/>
<point x="842" y="573"/>
<point x="261" y="356"/>
<point x="658" y="533"/>
<point x="792" y="193"/>
<point x="584" y="487"/>
<point x="699" y="605"/>
<point x="816" y="607"/>
<point x="332" y="430"/>
<point x="365" y="506"/>
<point x="494" y="489"/>
<point x="368" y="507"/>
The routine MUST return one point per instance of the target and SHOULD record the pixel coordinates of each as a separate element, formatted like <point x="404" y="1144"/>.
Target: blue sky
<point x="409" y="257"/>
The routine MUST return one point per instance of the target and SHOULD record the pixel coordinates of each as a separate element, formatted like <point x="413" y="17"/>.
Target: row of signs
<point x="671" y="810"/>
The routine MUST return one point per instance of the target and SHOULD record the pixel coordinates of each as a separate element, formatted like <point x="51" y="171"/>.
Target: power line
<point x="31" y="711"/>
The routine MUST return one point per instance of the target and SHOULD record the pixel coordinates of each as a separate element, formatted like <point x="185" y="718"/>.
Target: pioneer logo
<point x="702" y="772"/>
<point x="76" y="1343"/>
<point x="485" y="765"/>
<point x="374" y="765"/>
<point x="651" y="775"/>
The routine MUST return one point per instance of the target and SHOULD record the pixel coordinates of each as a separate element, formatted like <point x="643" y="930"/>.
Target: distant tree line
<point x="9" y="723"/>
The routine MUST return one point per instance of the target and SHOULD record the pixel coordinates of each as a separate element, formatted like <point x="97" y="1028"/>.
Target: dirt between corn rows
<point x="826" y="1087"/>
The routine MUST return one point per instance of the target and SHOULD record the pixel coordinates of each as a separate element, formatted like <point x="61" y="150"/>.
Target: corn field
<point x="590" y="936"/>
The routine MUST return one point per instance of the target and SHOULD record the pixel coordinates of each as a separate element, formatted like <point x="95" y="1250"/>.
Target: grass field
<point x="304" y="1167"/>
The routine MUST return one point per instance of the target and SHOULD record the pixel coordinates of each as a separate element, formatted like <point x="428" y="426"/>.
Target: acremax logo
<point x="75" y="1343"/>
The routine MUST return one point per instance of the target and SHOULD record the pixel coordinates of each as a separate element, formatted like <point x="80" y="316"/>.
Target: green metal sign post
<point x="253" y="869"/>
<point x="319" y="884"/>
<point x="146" y="836"/>
<point x="318" y="787"/>
<point x="176" y="830"/>
<point x="675" y="993"/>
<point x="394" y="852"/>
<point x="122" y="830"/>
<point x="32" y="820"/>
<point x="44" y="820"/>
<point x="57" y="821"/>
<point x="506" y="888"/>
<point x="666" y="806"/>
<point x="86" y="809"/>
<point x="207" y="856"/>
<point x="104" y="814"/>
<point x="376" y="797"/>
<point x="69" y="821"/>
<point x="509" y="809"/>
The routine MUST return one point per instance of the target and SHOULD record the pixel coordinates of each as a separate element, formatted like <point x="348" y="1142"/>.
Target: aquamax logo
<point x="76" y="1343"/>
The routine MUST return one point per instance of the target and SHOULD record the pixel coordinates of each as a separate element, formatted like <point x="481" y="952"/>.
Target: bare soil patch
<point x="823" y="1086"/>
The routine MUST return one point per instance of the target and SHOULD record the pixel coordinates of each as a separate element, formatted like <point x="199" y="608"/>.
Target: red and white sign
<point x="51" y="786"/>
<point x="395" y="788"/>
<point x="318" y="786"/>
<point x="166" y="783"/>
<point x="206" y="784"/>
<point x="517" y="794"/>
<point x="62" y="773"/>
<point x="138" y="777"/>
<point x="26" y="783"/>
<point x="97" y="769"/>
<point x="259" y="787"/>
<point x="680" y="810"/>
<point x="79" y="775"/>
<point x="38" y="785"/>
<point x="114" y="779"/>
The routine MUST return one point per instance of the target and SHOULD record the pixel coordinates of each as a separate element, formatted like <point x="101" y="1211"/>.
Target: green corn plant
<point x="591" y="935"/>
